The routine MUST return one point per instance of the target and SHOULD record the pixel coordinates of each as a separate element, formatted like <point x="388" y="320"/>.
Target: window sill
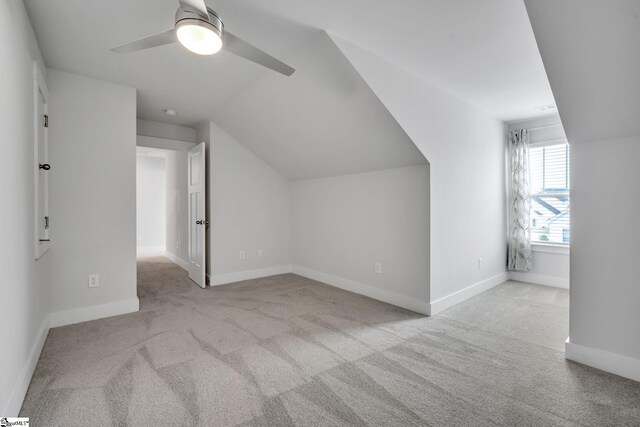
<point x="550" y="248"/>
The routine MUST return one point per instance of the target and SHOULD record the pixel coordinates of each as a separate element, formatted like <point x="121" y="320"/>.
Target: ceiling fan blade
<point x="160" y="39"/>
<point x="197" y="6"/>
<point x="241" y="48"/>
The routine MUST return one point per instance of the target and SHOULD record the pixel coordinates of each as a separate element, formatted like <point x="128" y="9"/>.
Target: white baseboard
<point x="389" y="297"/>
<point x="20" y="389"/>
<point x="84" y="314"/>
<point x="223" y="279"/>
<point x="457" y="297"/>
<point x="539" y="279"/>
<point x="618" y="364"/>
<point x="179" y="261"/>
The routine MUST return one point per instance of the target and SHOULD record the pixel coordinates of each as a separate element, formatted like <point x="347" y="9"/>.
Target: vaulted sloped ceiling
<point x="591" y="50"/>
<point x="324" y="120"/>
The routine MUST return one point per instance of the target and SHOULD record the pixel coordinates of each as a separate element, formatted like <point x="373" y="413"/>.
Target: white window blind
<point x="549" y="189"/>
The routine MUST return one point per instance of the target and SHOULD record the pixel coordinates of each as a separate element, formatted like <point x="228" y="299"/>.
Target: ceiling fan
<point x="199" y="29"/>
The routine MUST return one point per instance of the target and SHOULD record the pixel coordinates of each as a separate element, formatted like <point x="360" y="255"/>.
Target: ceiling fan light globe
<point x="199" y="37"/>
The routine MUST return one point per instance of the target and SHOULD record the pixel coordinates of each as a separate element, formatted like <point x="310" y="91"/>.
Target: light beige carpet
<point x="286" y="350"/>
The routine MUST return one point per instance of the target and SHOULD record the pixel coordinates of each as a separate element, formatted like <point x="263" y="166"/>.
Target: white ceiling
<point x="592" y="54"/>
<point x="482" y="51"/>
<point x="323" y="121"/>
<point x="76" y="35"/>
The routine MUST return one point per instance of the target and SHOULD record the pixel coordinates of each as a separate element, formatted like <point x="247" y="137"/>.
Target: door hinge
<point x="46" y="120"/>
<point x="46" y="222"/>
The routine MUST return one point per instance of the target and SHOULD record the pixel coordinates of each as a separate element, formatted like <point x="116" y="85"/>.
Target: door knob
<point x="45" y="166"/>
<point x="199" y="222"/>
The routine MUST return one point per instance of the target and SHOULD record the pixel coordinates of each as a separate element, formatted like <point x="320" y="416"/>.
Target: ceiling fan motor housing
<point x="185" y="16"/>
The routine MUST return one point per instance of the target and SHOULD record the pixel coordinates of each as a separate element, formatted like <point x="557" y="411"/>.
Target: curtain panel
<point x="519" y="227"/>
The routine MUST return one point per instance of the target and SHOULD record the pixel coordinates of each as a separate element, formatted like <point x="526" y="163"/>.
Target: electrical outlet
<point x="94" y="280"/>
<point x="479" y="263"/>
<point x="378" y="268"/>
<point x="260" y="253"/>
<point x="243" y="255"/>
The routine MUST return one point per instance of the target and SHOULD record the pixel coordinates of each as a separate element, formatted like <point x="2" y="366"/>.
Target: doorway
<point x="151" y="202"/>
<point x="170" y="200"/>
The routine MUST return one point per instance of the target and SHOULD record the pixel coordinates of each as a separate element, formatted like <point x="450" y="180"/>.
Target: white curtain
<point x="519" y="228"/>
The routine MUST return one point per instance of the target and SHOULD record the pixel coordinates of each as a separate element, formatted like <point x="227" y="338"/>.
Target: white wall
<point x="342" y="226"/>
<point x="92" y="134"/>
<point x="24" y="286"/>
<point x="177" y="221"/>
<point x="164" y="136"/>
<point x="466" y="151"/>
<point x="165" y="131"/>
<point x="590" y="52"/>
<point x="151" y="206"/>
<point x="163" y="143"/>
<point x="605" y="291"/>
<point x="549" y="265"/>
<point x="249" y="210"/>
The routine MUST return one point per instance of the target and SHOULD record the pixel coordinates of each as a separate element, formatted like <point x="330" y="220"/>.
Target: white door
<point x="197" y="221"/>
<point x="41" y="164"/>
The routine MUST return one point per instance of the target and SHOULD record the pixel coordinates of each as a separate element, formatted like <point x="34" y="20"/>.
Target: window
<point x="549" y="189"/>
